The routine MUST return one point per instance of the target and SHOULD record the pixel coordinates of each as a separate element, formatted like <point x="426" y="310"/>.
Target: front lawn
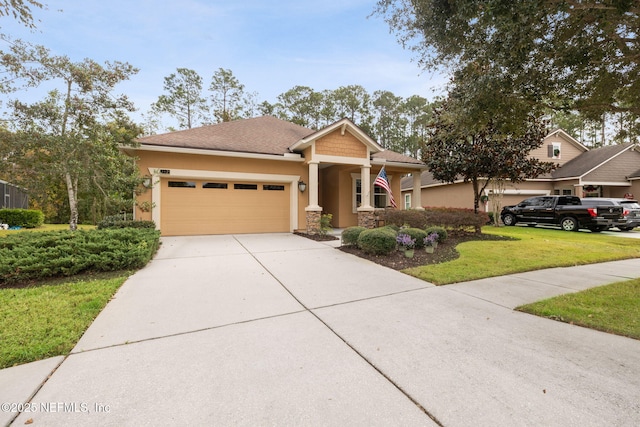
<point x="532" y="249"/>
<point x="54" y="283"/>
<point x="46" y="227"/>
<point x="612" y="308"/>
<point x="48" y="320"/>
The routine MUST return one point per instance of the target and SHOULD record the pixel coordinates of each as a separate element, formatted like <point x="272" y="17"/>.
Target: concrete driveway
<point x="277" y="329"/>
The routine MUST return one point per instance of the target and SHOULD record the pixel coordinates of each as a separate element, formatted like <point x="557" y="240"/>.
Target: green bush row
<point x="382" y="241"/>
<point x="127" y="224"/>
<point x="27" y="218"/>
<point x="450" y="218"/>
<point x="124" y="221"/>
<point x="36" y="256"/>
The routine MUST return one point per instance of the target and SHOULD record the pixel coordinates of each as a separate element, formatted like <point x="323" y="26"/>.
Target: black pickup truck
<point x="565" y="211"/>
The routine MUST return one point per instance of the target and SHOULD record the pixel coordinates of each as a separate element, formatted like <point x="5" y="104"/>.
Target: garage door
<point x="191" y="207"/>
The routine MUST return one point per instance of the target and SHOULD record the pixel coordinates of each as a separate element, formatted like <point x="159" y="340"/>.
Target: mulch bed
<point x="446" y="251"/>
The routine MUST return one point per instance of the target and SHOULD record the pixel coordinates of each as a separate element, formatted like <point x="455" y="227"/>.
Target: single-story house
<point x="264" y="175"/>
<point x="609" y="171"/>
<point x="12" y="197"/>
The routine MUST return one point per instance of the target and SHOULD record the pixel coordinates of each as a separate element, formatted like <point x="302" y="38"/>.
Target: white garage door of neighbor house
<point x="192" y="207"/>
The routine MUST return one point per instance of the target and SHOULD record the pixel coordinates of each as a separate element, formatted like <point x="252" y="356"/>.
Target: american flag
<point x="383" y="181"/>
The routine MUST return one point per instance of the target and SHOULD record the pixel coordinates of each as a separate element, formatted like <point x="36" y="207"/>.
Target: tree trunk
<point x="476" y="200"/>
<point x="72" y="191"/>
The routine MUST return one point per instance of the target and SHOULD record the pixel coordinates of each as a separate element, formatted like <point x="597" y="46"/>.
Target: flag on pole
<point x="383" y="181"/>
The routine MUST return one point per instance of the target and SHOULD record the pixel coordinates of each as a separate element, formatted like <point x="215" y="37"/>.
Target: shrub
<point x="440" y="231"/>
<point x="127" y="224"/>
<point x="417" y="234"/>
<point x="412" y="217"/>
<point x="27" y="218"/>
<point x="350" y="235"/>
<point x="124" y="221"/>
<point x="451" y="218"/>
<point x="325" y="224"/>
<point x="36" y="256"/>
<point x="377" y="241"/>
<point x="456" y="218"/>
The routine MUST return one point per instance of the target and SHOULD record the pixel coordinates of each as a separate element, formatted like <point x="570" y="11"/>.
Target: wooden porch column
<point x="416" y="197"/>
<point x="366" y="216"/>
<point x="313" y="187"/>
<point x="313" y="210"/>
<point x="365" y="183"/>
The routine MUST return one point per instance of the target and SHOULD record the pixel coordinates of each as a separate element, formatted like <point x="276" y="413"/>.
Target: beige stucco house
<point x="264" y="175"/>
<point x="610" y="171"/>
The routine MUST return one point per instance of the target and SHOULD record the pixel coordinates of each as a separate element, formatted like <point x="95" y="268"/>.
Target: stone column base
<point x="313" y="222"/>
<point x="367" y="219"/>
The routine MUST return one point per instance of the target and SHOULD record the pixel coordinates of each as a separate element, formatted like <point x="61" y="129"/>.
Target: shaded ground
<point x="446" y="251"/>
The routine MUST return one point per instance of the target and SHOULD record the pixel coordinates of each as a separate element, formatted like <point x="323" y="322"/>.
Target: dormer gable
<point x="342" y="139"/>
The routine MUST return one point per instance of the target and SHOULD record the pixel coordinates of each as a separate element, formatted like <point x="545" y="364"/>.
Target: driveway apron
<point x="276" y="329"/>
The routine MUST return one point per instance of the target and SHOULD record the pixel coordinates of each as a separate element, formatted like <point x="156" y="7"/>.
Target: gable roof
<point x="345" y="125"/>
<point x="564" y="135"/>
<point x="262" y="135"/>
<point x="265" y="135"/>
<point x="589" y="160"/>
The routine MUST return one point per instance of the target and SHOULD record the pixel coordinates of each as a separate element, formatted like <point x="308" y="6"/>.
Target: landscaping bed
<point x="446" y="251"/>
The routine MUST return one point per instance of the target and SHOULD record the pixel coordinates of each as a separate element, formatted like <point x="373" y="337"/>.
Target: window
<point x="379" y="197"/>
<point x="407" y="201"/>
<point x="245" y="186"/>
<point x="271" y="187"/>
<point x="554" y="150"/>
<point x="219" y="185"/>
<point x="182" y="184"/>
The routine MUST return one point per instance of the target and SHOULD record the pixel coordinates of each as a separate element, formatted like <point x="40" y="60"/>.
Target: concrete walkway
<point x="280" y="330"/>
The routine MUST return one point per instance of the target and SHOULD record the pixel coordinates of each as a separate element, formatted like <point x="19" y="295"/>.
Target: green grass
<point x="49" y="319"/>
<point x="534" y="249"/>
<point x="612" y="308"/>
<point x="46" y="227"/>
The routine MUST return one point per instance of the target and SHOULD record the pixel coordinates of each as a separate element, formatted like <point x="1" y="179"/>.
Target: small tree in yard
<point x="480" y="154"/>
<point x="71" y="136"/>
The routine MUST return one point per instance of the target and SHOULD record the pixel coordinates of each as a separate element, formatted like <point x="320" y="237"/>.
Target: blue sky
<point x="269" y="46"/>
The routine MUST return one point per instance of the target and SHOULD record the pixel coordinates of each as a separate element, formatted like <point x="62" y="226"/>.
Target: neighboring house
<point x="264" y="175"/>
<point x="12" y="197"/>
<point x="611" y="171"/>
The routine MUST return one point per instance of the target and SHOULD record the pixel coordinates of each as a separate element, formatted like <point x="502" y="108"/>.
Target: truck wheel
<point x="569" y="224"/>
<point x="509" y="219"/>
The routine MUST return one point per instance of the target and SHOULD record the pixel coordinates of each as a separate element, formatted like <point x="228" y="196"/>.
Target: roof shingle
<point x="263" y="135"/>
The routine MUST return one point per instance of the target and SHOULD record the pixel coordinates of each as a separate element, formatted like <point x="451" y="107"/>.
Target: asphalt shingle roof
<point x="261" y="135"/>
<point x="588" y="160"/>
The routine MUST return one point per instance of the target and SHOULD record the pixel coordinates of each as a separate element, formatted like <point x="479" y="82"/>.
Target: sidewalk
<point x="280" y="330"/>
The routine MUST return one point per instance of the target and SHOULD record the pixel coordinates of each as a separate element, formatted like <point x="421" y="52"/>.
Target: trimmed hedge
<point x="451" y="218"/>
<point x="350" y="235"/>
<point x="36" y="256"/>
<point x="440" y="231"/>
<point x="127" y="224"/>
<point x="124" y="221"/>
<point x="27" y="218"/>
<point x="377" y="241"/>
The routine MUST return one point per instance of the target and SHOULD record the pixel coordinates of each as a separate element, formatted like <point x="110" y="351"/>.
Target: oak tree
<point x="569" y="55"/>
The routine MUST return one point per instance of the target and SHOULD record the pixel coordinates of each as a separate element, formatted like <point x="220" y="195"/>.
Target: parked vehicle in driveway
<point x="566" y="211"/>
<point x="630" y="210"/>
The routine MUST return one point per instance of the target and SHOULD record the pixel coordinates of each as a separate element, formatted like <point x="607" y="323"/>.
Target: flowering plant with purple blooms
<point x="431" y="239"/>
<point x="405" y="241"/>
